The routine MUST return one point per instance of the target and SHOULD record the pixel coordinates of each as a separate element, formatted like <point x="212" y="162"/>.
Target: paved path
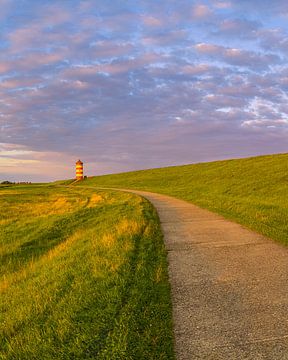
<point x="229" y="285"/>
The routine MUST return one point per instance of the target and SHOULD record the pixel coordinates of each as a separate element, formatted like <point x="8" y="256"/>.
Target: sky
<point x="129" y="84"/>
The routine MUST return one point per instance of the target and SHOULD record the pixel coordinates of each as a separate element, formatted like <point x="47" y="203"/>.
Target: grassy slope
<point x="82" y="275"/>
<point x="252" y="191"/>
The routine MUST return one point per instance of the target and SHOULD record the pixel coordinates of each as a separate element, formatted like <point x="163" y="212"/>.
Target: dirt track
<point x="229" y="285"/>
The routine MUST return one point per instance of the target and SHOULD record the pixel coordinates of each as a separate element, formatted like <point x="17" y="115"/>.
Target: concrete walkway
<point x="229" y="285"/>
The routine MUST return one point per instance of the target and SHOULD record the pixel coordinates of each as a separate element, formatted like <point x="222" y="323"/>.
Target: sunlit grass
<point x="252" y="191"/>
<point x="83" y="277"/>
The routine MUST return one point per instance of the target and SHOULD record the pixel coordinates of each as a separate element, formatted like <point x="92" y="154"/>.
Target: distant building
<point x="79" y="170"/>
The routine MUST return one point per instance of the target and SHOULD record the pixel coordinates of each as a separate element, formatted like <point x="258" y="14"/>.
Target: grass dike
<point x="251" y="191"/>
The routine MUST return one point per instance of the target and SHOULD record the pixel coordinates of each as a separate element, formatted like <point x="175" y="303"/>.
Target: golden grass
<point x="159" y="274"/>
<point x="63" y="246"/>
<point x="108" y="240"/>
<point x="94" y="200"/>
<point x="127" y="226"/>
<point x="26" y="271"/>
<point x="81" y="284"/>
<point x="5" y="221"/>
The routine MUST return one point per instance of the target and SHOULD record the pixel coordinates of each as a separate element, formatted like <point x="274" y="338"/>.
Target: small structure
<point x="79" y="170"/>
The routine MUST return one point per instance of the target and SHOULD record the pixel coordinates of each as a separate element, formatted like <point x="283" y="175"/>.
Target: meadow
<point x="251" y="191"/>
<point x="83" y="275"/>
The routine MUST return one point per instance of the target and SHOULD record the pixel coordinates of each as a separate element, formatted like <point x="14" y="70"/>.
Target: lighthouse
<point x="79" y="170"/>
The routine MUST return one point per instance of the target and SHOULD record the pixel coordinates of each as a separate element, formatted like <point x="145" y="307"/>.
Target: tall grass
<point x="251" y="191"/>
<point x="83" y="276"/>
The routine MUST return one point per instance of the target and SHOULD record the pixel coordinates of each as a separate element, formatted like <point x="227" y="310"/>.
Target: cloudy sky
<point x="127" y="84"/>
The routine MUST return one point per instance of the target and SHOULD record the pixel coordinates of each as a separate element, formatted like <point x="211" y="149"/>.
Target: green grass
<point x="251" y="191"/>
<point x="83" y="275"/>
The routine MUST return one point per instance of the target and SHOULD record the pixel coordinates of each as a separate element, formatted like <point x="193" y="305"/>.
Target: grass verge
<point x="83" y="276"/>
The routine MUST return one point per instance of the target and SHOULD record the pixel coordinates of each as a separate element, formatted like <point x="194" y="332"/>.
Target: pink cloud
<point x="111" y="49"/>
<point x="22" y="38"/>
<point x="224" y="101"/>
<point x="208" y="48"/>
<point x="265" y="123"/>
<point x="152" y="21"/>
<point x="4" y="67"/>
<point x="111" y="68"/>
<point x="201" y="12"/>
<point x="196" y="69"/>
<point x="33" y="60"/>
<point x="12" y="83"/>
<point x="235" y="56"/>
<point x="241" y="90"/>
<point x="55" y="15"/>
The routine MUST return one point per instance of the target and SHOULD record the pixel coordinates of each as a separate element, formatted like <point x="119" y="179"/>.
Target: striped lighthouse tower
<point x="79" y="170"/>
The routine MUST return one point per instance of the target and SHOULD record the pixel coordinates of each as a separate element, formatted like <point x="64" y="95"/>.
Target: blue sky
<point x="127" y="85"/>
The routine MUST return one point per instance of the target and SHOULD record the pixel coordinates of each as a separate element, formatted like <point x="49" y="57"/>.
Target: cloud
<point x="222" y="4"/>
<point x="238" y="57"/>
<point x="200" y="12"/>
<point x="108" y="49"/>
<point x="238" y="29"/>
<point x="19" y="82"/>
<point x="220" y="101"/>
<point x="5" y="6"/>
<point x="140" y="84"/>
<point x="209" y="49"/>
<point x="4" y="67"/>
<point x="266" y="123"/>
<point x="263" y="7"/>
<point x="151" y="21"/>
<point x="166" y="38"/>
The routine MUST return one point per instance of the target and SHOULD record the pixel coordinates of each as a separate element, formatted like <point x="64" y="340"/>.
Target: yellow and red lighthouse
<point x="79" y="170"/>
